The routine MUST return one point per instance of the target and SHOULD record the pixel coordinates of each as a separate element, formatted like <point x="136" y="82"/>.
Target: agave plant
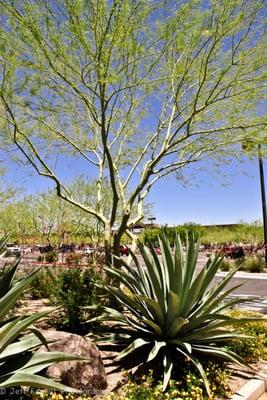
<point x="19" y="362"/>
<point x="170" y="310"/>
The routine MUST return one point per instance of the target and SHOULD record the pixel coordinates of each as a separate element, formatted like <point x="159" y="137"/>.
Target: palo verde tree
<point x="52" y="216"/>
<point x="131" y="90"/>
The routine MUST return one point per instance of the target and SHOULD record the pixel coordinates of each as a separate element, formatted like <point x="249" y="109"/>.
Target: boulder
<point x="87" y="375"/>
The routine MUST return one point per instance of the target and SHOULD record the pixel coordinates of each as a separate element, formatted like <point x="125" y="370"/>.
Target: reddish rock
<point x="88" y="375"/>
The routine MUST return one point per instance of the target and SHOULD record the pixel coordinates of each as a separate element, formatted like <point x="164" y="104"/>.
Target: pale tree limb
<point x="47" y="172"/>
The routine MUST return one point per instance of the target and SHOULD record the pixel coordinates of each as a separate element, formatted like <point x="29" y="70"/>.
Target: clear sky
<point x="212" y="201"/>
<point x="229" y="197"/>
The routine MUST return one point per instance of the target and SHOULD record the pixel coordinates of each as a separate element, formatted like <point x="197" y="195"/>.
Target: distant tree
<point x="52" y="215"/>
<point x="16" y="219"/>
<point x="150" y="236"/>
<point x="188" y="229"/>
<point x="130" y="90"/>
<point x="7" y="191"/>
<point x="47" y="217"/>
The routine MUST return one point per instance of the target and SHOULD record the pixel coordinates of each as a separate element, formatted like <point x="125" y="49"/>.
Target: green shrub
<point x="239" y="262"/>
<point x="51" y="256"/>
<point x="43" y="284"/>
<point x="251" y="350"/>
<point x="52" y="395"/>
<point x="243" y="232"/>
<point x="76" y="289"/>
<point x="253" y="264"/>
<point x="188" y="387"/>
<point x="20" y="363"/>
<point x="225" y="265"/>
<point x="170" y="313"/>
<point x="188" y="229"/>
<point x="73" y="259"/>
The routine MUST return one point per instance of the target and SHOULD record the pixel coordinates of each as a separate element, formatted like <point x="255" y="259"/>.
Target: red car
<point x="157" y="250"/>
<point x="233" y="252"/>
<point x="124" y="251"/>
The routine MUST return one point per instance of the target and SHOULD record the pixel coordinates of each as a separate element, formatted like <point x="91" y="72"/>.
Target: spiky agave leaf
<point x="18" y="359"/>
<point x="3" y="242"/>
<point x="171" y="310"/>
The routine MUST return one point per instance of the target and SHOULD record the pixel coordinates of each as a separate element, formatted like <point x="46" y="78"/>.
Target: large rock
<point x="88" y="375"/>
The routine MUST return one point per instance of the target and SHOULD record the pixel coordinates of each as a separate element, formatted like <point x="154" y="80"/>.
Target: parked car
<point x="46" y="249"/>
<point x="67" y="248"/>
<point x="88" y="250"/>
<point x="233" y="252"/>
<point x="85" y="250"/>
<point x="13" y="250"/>
<point x="124" y="251"/>
<point x="157" y="250"/>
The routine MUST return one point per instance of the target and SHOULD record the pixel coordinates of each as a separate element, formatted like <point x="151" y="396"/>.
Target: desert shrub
<point x="253" y="263"/>
<point x="239" y="262"/>
<point x="225" y="265"/>
<point x="75" y="290"/>
<point x="43" y="285"/>
<point x="188" y="229"/>
<point x="243" y="232"/>
<point x="188" y="387"/>
<point x="20" y="363"/>
<point x="51" y="256"/>
<point x="73" y="259"/>
<point x="251" y="349"/>
<point x="52" y="395"/>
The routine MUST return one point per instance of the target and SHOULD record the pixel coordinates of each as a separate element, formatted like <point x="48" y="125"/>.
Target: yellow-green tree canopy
<point x="132" y="90"/>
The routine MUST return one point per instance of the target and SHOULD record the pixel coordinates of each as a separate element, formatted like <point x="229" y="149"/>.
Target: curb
<point x="245" y="275"/>
<point x="253" y="389"/>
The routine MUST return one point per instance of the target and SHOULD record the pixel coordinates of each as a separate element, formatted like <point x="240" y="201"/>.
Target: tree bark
<point x="107" y="244"/>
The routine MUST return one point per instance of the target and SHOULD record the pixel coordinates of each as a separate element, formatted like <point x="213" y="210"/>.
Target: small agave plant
<point x="171" y="311"/>
<point x="19" y="361"/>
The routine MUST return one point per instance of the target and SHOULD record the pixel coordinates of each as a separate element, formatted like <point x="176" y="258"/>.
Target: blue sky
<point x="226" y="198"/>
<point x="211" y="202"/>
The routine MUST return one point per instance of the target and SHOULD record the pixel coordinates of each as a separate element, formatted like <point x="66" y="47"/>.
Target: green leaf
<point x="155" y="327"/>
<point x="7" y="278"/>
<point x="27" y="343"/>
<point x="10" y="298"/>
<point x="175" y="327"/>
<point x="181" y="321"/>
<point x="203" y="375"/>
<point x="136" y="344"/>
<point x="190" y="267"/>
<point x="168" y="367"/>
<point x="39" y="361"/>
<point x="25" y="379"/>
<point x="18" y="327"/>
<point x="154" y="308"/>
<point x="223" y="353"/>
<point x="155" y="350"/>
<point x="173" y="310"/>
